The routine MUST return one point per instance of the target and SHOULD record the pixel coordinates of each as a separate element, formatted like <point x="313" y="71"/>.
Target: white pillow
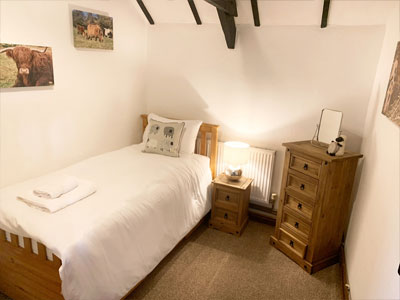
<point x="189" y="135"/>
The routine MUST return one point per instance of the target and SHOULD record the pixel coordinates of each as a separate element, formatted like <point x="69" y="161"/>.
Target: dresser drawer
<point x="295" y="224"/>
<point x="225" y="216"/>
<point x="227" y="199"/>
<point x="292" y="243"/>
<point x="302" y="207"/>
<point x="305" y="186"/>
<point x="305" y="166"/>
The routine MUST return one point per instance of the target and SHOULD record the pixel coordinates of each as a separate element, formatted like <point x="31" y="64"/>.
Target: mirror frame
<point x="319" y="126"/>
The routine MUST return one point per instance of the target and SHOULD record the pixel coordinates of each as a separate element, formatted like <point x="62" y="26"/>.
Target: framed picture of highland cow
<point x="24" y="66"/>
<point x="92" y="30"/>
<point x="391" y="106"/>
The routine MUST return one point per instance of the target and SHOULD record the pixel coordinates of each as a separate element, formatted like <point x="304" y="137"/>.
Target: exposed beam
<point x="145" y="11"/>
<point x="256" y="16"/>
<point x="233" y="6"/>
<point x="325" y="13"/>
<point x="229" y="28"/>
<point x="195" y="12"/>
<point x="227" y="6"/>
<point x="227" y="10"/>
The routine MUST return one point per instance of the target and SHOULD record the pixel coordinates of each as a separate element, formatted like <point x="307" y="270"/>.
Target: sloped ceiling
<point x="273" y="12"/>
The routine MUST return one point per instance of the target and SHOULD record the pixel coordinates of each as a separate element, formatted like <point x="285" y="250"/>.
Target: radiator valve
<point x="273" y="198"/>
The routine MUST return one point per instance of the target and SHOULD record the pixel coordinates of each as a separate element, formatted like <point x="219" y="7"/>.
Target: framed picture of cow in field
<point x="92" y="30"/>
<point x="23" y="66"/>
<point x="391" y="106"/>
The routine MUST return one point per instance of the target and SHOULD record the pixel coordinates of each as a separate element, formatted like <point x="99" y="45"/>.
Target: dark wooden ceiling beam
<point x="195" y="12"/>
<point x="325" y="13"/>
<point x="228" y="27"/>
<point x="227" y="11"/>
<point x="227" y="6"/>
<point x="256" y="16"/>
<point x="232" y="4"/>
<point x="145" y="11"/>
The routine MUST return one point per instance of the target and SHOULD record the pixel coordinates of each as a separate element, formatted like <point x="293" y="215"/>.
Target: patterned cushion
<point x="189" y="134"/>
<point x="164" y="138"/>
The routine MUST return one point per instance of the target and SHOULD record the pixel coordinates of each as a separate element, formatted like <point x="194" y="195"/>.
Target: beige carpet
<point x="215" y="265"/>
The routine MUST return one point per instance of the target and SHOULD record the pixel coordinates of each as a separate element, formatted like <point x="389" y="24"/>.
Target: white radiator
<point x="260" y="168"/>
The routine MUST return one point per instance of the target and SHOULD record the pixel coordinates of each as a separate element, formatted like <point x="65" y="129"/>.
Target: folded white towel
<point x="56" y="188"/>
<point x="83" y="190"/>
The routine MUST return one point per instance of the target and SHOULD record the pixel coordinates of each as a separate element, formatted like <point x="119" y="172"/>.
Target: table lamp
<point x="236" y="155"/>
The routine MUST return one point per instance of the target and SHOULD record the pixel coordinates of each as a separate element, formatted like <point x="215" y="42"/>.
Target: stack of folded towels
<point x="58" y="194"/>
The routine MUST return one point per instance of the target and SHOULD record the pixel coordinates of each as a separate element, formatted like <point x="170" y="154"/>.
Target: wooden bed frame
<point x="25" y="275"/>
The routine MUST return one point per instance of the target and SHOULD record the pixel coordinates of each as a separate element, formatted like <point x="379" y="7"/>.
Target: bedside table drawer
<point x="225" y="216"/>
<point x="292" y="243"/>
<point x="300" y="206"/>
<point x="227" y="196"/>
<point x="227" y="199"/>
<point x="305" y="166"/>
<point x="296" y="225"/>
<point x="305" y="186"/>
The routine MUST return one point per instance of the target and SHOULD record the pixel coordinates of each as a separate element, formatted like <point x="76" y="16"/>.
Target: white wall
<point x="372" y="243"/>
<point x="95" y="103"/>
<point x="272" y="87"/>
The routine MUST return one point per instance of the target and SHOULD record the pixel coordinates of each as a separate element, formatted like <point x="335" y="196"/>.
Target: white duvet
<point x="144" y="205"/>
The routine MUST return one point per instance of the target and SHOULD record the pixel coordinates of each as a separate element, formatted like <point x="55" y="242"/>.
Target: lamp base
<point x="233" y="174"/>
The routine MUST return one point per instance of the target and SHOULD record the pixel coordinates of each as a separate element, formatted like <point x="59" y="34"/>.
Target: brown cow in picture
<point x="35" y="68"/>
<point x="80" y="29"/>
<point x="94" y="31"/>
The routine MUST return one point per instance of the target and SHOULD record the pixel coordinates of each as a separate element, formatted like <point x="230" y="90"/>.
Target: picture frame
<point x="25" y="66"/>
<point x="92" y="30"/>
<point x="391" y="105"/>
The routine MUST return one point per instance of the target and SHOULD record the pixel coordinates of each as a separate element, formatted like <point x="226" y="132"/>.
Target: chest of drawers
<point x="314" y="205"/>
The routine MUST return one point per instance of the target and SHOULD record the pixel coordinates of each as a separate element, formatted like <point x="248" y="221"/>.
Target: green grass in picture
<point x="81" y="42"/>
<point x="8" y="71"/>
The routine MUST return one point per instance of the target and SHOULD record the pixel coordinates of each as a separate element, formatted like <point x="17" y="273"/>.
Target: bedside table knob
<point x="296" y="224"/>
<point x="302" y="187"/>
<point x="226" y="216"/>
<point x="299" y="206"/>
<point x="305" y="167"/>
<point x="227" y="198"/>
<point x="291" y="243"/>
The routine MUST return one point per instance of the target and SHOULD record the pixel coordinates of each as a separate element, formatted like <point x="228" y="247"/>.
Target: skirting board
<point x="262" y="214"/>
<point x="345" y="278"/>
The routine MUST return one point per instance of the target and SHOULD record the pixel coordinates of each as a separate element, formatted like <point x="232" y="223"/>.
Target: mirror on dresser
<point x="328" y="128"/>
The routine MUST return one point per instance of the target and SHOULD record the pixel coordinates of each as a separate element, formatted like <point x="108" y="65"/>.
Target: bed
<point x="103" y="246"/>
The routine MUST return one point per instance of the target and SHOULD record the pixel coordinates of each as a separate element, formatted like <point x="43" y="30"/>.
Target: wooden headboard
<point x="204" y="130"/>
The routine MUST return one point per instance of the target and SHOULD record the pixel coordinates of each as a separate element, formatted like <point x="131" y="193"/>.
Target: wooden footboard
<point x="26" y="275"/>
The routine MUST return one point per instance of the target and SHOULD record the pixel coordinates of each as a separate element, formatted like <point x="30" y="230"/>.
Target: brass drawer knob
<point x="226" y="216"/>
<point x="302" y="187"/>
<point x="296" y="224"/>
<point x="227" y="198"/>
<point x="305" y="167"/>
<point x="291" y="243"/>
<point x="299" y="206"/>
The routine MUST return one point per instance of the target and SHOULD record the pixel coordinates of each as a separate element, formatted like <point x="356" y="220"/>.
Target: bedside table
<point x="230" y="204"/>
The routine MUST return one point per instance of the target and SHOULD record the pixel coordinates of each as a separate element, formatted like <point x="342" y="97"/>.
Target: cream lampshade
<point x="236" y="155"/>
